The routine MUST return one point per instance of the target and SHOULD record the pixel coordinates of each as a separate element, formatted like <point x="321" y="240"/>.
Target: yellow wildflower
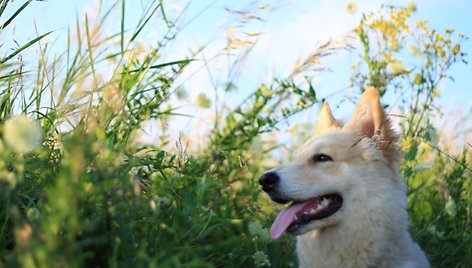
<point x="264" y="6"/>
<point x="415" y="51"/>
<point x="266" y="92"/>
<point x="395" y="67"/>
<point x="411" y="6"/>
<point x="203" y="101"/>
<point x="417" y="78"/>
<point x="456" y="49"/>
<point x="439" y="50"/>
<point x="351" y="8"/>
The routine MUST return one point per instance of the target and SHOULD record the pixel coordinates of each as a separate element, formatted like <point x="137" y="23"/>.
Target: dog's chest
<point x="318" y="250"/>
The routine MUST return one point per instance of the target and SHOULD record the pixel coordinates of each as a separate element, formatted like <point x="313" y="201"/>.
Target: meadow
<point x="79" y="187"/>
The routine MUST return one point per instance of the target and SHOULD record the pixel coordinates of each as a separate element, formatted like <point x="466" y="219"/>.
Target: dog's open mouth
<point x="301" y="213"/>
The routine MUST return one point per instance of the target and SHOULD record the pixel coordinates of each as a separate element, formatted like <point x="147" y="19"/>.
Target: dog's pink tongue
<point x="284" y="219"/>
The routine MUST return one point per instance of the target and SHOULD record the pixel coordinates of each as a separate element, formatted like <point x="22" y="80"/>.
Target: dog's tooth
<point x="324" y="202"/>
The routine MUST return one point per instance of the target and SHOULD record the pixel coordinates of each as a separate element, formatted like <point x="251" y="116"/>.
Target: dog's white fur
<point x="371" y="228"/>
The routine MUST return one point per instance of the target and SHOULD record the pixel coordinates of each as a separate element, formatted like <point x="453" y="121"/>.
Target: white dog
<point x="349" y="201"/>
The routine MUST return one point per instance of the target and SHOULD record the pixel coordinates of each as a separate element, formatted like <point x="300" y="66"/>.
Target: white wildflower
<point x="256" y="229"/>
<point x="23" y="134"/>
<point x="33" y="214"/>
<point x="450" y="207"/>
<point x="261" y="259"/>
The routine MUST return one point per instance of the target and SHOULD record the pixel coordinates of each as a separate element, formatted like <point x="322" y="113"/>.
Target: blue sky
<point x="291" y="29"/>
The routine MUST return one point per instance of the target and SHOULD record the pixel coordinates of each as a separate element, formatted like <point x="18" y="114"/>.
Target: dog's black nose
<point x="269" y="180"/>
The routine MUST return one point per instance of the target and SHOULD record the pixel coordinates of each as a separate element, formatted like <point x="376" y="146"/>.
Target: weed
<point x="82" y="190"/>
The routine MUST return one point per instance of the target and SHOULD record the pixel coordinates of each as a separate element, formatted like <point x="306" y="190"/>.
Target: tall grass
<point x="79" y="189"/>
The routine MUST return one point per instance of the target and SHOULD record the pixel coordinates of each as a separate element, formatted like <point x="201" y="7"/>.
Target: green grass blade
<point x="122" y="30"/>
<point x="108" y="12"/>
<point x="158" y="66"/>
<point x="25" y="46"/>
<point x="140" y="28"/>
<point x="164" y="17"/>
<point x="7" y="22"/>
<point x="89" y="45"/>
<point x="77" y="29"/>
<point x="13" y="75"/>
<point x="3" y="6"/>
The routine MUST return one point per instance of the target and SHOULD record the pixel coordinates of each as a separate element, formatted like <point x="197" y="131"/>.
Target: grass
<point x="79" y="189"/>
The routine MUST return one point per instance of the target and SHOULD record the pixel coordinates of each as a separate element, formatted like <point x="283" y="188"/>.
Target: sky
<point x="291" y="29"/>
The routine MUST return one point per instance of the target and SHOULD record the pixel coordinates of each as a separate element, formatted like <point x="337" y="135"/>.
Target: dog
<point x="348" y="197"/>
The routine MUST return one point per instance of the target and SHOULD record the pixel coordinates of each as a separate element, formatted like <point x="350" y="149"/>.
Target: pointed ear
<point x="325" y="121"/>
<point x="369" y="118"/>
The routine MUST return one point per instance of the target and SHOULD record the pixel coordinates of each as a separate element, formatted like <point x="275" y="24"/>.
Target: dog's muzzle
<point x="270" y="183"/>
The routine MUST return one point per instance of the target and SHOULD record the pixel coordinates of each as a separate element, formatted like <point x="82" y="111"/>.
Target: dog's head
<point x="336" y="168"/>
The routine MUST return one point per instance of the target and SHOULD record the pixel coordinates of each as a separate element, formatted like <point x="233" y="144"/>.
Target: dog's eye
<point x="321" y="158"/>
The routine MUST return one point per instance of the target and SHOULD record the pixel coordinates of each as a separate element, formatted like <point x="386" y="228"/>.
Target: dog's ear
<point x="369" y="120"/>
<point x="325" y="121"/>
<point x="368" y="117"/>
